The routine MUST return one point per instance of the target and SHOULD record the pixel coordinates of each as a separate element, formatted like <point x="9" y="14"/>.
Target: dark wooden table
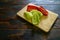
<point x="14" y="28"/>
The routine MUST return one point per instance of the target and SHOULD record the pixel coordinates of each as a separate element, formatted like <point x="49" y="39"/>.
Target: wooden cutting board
<point x="45" y="23"/>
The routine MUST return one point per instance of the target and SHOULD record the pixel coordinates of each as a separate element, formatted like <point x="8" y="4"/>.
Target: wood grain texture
<point x="11" y="8"/>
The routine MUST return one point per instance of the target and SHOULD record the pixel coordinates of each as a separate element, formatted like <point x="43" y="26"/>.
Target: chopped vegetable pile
<point x="34" y="13"/>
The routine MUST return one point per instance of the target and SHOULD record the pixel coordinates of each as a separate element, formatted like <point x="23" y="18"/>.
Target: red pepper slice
<point x="41" y="9"/>
<point x="31" y="7"/>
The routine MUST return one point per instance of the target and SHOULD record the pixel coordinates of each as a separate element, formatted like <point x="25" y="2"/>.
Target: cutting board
<point x="46" y="21"/>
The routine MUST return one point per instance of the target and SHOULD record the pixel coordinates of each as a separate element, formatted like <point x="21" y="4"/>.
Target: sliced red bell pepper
<point x="39" y="8"/>
<point x="43" y="10"/>
<point x="31" y="7"/>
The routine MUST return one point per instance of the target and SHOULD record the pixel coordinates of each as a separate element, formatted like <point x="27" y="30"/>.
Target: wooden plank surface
<point x="9" y="9"/>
